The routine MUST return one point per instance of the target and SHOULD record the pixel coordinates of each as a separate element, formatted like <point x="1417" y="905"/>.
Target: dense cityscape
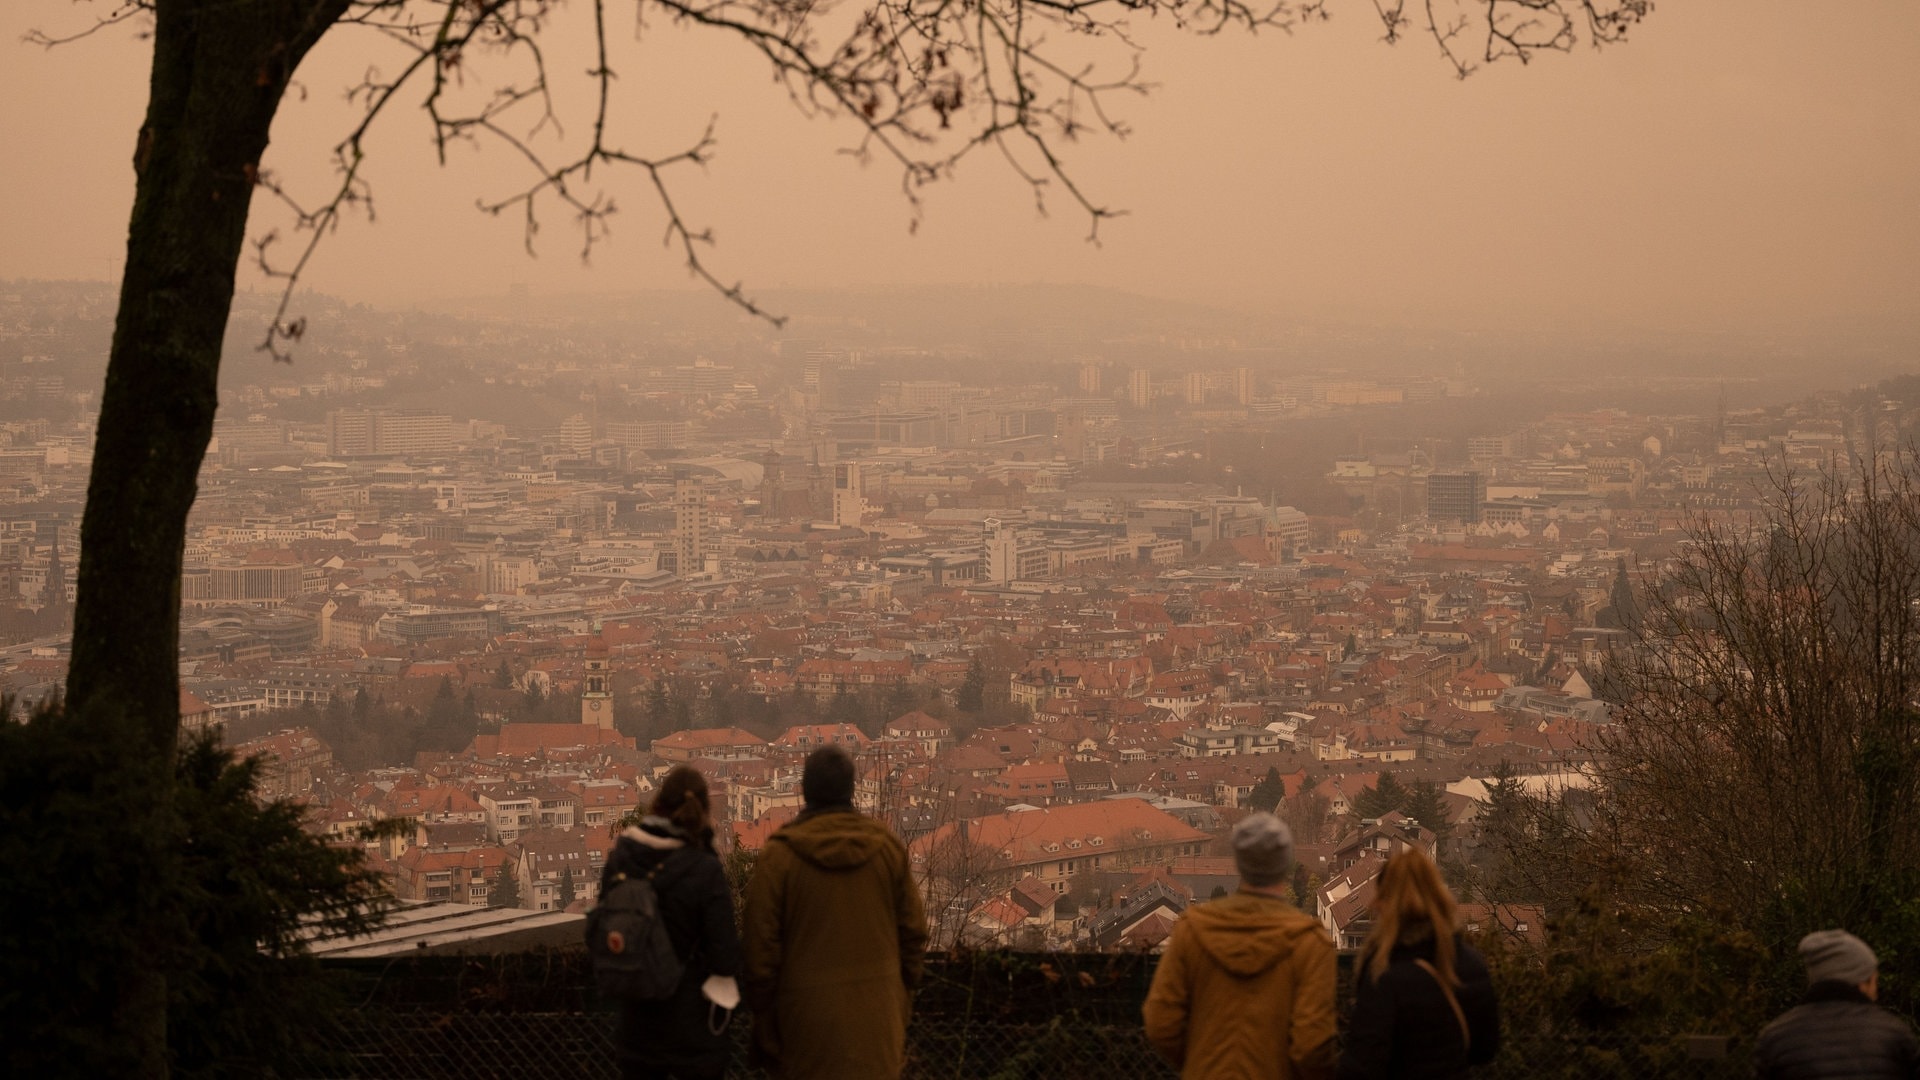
<point x="1076" y="602"/>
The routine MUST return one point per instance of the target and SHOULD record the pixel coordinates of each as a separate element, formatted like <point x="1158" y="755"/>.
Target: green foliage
<point x="450" y="725"/>
<point x="739" y="864"/>
<point x="1623" y="605"/>
<point x="506" y="887"/>
<point x="566" y="891"/>
<point x="213" y="907"/>
<point x="93" y="914"/>
<point x="901" y="700"/>
<point x="1385" y="796"/>
<point x="257" y="884"/>
<point x="1266" y="794"/>
<point x="1303" y="891"/>
<point x="1424" y="805"/>
<point x="971" y="697"/>
<point x="1615" y="993"/>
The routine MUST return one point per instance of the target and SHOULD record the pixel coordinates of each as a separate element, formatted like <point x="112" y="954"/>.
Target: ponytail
<point x="683" y="801"/>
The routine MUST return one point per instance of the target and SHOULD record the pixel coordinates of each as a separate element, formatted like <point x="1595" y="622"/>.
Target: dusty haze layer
<point x="1733" y="167"/>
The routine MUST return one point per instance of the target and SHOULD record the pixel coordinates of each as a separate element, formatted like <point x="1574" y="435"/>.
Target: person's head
<point x="1262" y="850"/>
<point x="1837" y="956"/>
<point x="1411" y="903"/>
<point x="827" y="777"/>
<point x="683" y="801"/>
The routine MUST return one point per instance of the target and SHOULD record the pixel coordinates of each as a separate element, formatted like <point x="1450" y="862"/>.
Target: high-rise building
<point x="576" y="434"/>
<point x="1456" y="497"/>
<point x="1196" y="388"/>
<point x="648" y="434"/>
<point x="849" y="500"/>
<point x="499" y="573"/>
<point x="690" y="516"/>
<point x="916" y="394"/>
<point x="1012" y="554"/>
<point x="388" y="433"/>
<point x="700" y="378"/>
<point x="1489" y="447"/>
<point x="1089" y="377"/>
<point x="1140" y="388"/>
<point x="1243" y="386"/>
<point x="853" y="385"/>
<point x="813" y="363"/>
<point x="350" y="433"/>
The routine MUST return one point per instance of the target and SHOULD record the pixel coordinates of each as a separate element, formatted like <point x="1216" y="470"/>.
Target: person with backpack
<point x="663" y="940"/>
<point x="1424" y="1007"/>
<point x="835" y="937"/>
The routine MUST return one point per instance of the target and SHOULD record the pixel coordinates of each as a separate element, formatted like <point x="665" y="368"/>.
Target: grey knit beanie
<point x="1837" y="956"/>
<point x="1262" y="849"/>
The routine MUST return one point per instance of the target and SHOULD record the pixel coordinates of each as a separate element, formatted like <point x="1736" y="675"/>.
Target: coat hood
<point x="1247" y="933"/>
<point x="836" y="840"/>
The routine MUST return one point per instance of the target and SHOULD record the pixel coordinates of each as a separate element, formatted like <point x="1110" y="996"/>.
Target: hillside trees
<point x="1763" y="767"/>
<point x="255" y="885"/>
<point x="922" y="86"/>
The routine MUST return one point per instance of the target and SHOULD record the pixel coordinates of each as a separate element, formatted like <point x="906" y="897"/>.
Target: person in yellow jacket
<point x="835" y="938"/>
<point x="1245" y="989"/>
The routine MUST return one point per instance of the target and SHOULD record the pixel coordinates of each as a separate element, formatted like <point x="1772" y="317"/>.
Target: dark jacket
<point x="1837" y="1033"/>
<point x="835" y="940"/>
<point x="1403" y="1028"/>
<point x="697" y="907"/>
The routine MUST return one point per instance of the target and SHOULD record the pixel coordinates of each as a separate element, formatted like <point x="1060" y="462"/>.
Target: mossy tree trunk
<point x="220" y="68"/>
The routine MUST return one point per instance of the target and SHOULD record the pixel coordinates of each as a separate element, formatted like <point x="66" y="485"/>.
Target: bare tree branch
<point x="927" y="83"/>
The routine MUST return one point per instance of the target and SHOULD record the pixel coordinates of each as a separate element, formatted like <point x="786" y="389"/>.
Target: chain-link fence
<point x="987" y="1016"/>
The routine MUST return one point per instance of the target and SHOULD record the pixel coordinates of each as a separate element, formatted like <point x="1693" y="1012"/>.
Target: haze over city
<point x="1731" y="169"/>
<point x="1464" y="510"/>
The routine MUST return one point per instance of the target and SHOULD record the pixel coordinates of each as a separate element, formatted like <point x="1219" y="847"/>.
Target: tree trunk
<point x="219" y="70"/>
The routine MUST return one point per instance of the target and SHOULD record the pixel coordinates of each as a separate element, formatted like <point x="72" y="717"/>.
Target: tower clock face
<point x="594" y="705"/>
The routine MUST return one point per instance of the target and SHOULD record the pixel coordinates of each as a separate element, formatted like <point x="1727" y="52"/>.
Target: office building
<point x="388" y="433"/>
<point x="1140" y="388"/>
<point x="1456" y="497"/>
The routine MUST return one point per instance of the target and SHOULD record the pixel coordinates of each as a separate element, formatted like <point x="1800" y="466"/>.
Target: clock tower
<point x="596" y="700"/>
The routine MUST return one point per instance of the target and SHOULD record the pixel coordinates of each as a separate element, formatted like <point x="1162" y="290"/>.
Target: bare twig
<point x="926" y="83"/>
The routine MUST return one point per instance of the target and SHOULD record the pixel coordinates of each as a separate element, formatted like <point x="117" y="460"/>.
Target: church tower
<point x="596" y="700"/>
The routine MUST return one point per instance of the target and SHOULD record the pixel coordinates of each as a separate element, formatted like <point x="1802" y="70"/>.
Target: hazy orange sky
<point x="1735" y="164"/>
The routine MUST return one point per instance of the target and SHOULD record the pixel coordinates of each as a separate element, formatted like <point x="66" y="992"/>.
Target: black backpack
<point x="633" y="959"/>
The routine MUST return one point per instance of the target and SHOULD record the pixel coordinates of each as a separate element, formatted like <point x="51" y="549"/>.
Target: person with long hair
<point x="1424" y="1008"/>
<point x="683" y="1037"/>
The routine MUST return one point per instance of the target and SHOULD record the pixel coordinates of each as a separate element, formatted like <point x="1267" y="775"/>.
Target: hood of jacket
<point x="836" y="840"/>
<point x="1247" y="933"/>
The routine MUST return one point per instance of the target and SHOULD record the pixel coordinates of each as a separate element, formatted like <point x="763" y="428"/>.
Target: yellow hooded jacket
<point x="1245" y="991"/>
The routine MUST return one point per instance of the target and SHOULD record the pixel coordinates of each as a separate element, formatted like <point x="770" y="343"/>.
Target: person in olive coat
<point x="683" y="1037"/>
<point x="1837" y="1032"/>
<point x="835" y="938"/>
<point x="1424" y="1008"/>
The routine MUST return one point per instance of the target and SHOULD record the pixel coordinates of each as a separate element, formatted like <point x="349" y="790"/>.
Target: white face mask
<point x="721" y="990"/>
<point x="724" y="994"/>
